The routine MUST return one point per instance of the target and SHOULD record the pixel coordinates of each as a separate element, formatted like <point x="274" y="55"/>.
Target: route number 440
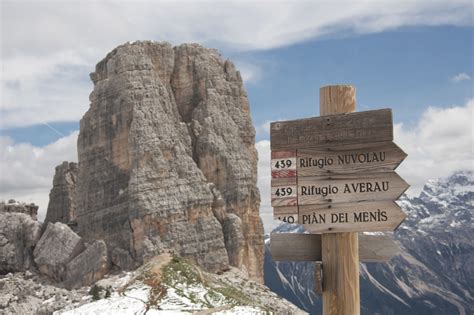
<point x="287" y="219"/>
<point x="283" y="163"/>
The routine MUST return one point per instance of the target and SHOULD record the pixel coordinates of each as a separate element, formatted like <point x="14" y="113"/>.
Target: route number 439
<point x="283" y="164"/>
<point x="284" y="191"/>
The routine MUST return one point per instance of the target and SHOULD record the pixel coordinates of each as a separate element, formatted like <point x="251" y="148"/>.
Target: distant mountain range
<point x="433" y="272"/>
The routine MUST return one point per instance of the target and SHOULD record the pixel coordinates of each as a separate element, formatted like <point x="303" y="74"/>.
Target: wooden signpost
<point x="335" y="175"/>
<point x="356" y="128"/>
<point x="307" y="247"/>
<point x="358" y="217"/>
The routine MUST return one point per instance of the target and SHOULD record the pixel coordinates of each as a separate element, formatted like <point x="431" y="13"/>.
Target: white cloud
<point x="441" y="143"/>
<point x="26" y="171"/>
<point x="263" y="130"/>
<point x="250" y="72"/>
<point x="264" y="179"/>
<point x="463" y="76"/>
<point x="48" y="48"/>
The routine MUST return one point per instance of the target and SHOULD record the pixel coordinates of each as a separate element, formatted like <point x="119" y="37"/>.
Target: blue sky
<point x="415" y="57"/>
<point x="406" y="69"/>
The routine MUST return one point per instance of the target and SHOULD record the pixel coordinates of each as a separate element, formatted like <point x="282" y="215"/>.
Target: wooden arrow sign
<point x="353" y="128"/>
<point x="288" y="168"/>
<point x="356" y="217"/>
<point x="336" y="173"/>
<point x="373" y="157"/>
<point x="324" y="190"/>
<point x="307" y="247"/>
<point x="350" y="188"/>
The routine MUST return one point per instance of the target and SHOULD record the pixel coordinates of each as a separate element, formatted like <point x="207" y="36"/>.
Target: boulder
<point x="19" y="233"/>
<point x="88" y="267"/>
<point x="56" y="248"/>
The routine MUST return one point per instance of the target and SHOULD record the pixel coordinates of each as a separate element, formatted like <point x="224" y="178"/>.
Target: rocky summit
<point x="167" y="167"/>
<point x="167" y="160"/>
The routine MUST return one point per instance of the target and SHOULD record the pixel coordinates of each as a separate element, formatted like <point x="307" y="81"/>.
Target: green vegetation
<point x="178" y="270"/>
<point x="108" y="292"/>
<point x="95" y="292"/>
<point x="187" y="281"/>
<point x="234" y="296"/>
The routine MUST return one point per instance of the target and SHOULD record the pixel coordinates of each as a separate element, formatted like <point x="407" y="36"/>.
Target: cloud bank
<point x="49" y="47"/>
<point x="26" y="171"/>
<point x="441" y="143"/>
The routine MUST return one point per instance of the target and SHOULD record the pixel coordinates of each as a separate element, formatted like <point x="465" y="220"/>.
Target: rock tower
<point x="167" y="159"/>
<point x="62" y="198"/>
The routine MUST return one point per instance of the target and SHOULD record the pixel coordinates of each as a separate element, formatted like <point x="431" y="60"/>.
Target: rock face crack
<point x="167" y="159"/>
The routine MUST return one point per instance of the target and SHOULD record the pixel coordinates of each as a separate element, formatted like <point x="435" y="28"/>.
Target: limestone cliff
<point x="62" y="198"/>
<point x="167" y="159"/>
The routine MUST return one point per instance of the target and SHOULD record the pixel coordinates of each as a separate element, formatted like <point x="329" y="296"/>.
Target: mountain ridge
<point x="432" y="274"/>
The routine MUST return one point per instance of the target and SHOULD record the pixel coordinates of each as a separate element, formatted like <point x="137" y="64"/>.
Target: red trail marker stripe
<point x="283" y="174"/>
<point x="283" y="154"/>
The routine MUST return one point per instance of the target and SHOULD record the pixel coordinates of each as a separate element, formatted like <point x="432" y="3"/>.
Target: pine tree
<point x="107" y="292"/>
<point x="95" y="292"/>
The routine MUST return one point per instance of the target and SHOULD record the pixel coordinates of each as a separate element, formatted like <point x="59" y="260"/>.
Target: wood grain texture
<point x="283" y="202"/>
<point x="295" y="247"/>
<point x="281" y="182"/>
<point x="336" y="99"/>
<point x="350" y="188"/>
<point x="340" y="256"/>
<point x="287" y="214"/>
<point x="359" y="217"/>
<point x="363" y="127"/>
<point x="307" y="247"/>
<point x="318" y="278"/>
<point x="340" y="252"/>
<point x="358" y="158"/>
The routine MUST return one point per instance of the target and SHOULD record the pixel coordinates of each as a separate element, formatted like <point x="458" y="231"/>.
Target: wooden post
<point x="340" y="251"/>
